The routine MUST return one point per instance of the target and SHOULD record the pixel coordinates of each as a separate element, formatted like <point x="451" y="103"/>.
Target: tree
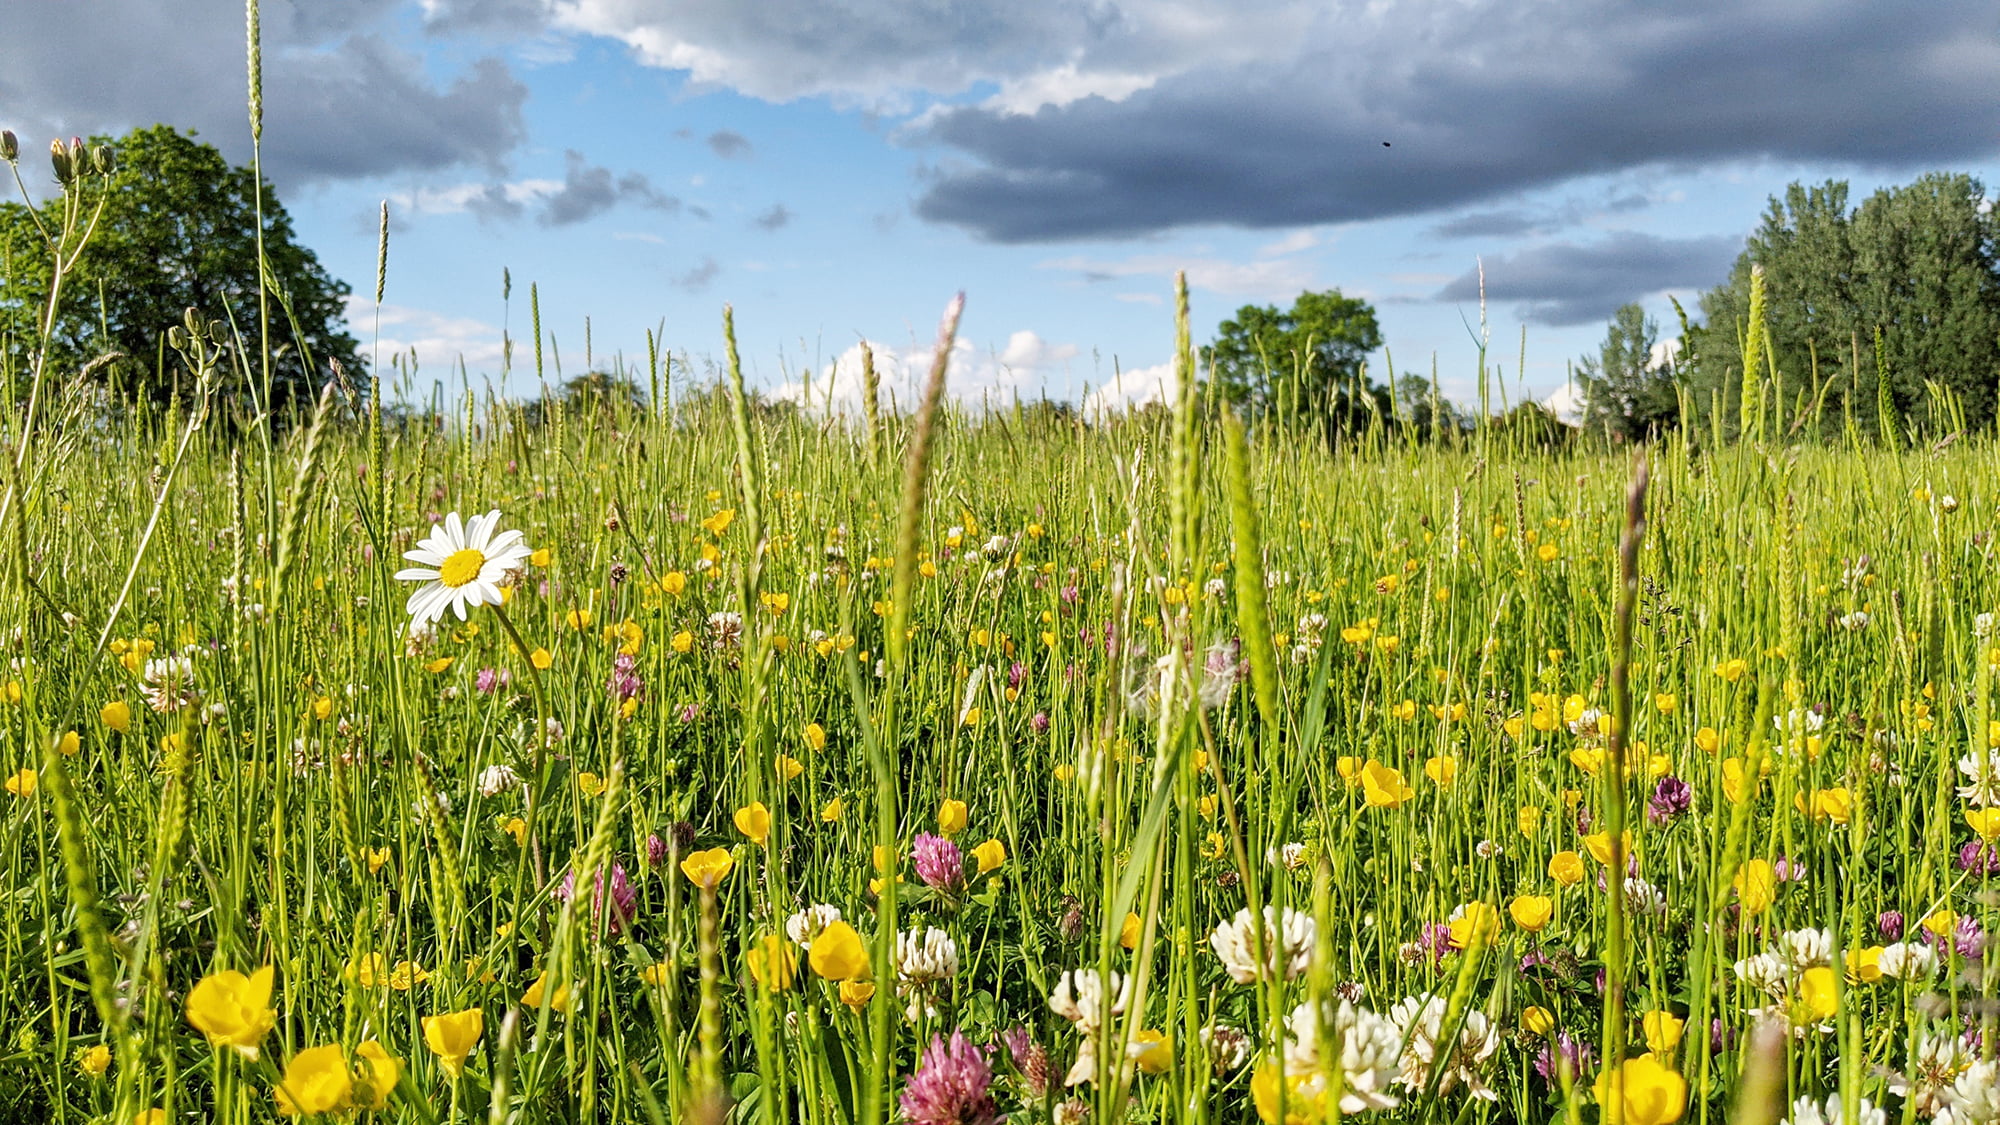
<point x="1917" y="262"/>
<point x="1625" y="392"/>
<point x="1302" y="364"/>
<point x="178" y="231"/>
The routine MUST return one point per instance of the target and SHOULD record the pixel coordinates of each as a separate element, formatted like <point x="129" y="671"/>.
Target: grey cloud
<point x="497" y="17"/>
<point x="339" y="99"/>
<point x="1565" y="283"/>
<point x="1488" y="224"/>
<point x="1498" y="100"/>
<point x="589" y="190"/>
<point x="774" y="218"/>
<point x="698" y="278"/>
<point x="728" y="144"/>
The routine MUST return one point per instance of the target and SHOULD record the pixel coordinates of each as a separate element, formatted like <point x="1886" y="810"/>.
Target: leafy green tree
<point x="1301" y="364"/>
<point x="1625" y="393"/>
<point x="1917" y="262"/>
<point x="178" y="231"/>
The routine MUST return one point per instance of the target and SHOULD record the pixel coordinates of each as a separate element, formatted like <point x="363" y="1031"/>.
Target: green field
<point x="1047" y="709"/>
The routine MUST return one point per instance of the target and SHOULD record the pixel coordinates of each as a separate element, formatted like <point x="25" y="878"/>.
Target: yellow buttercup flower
<point x="233" y="1010"/>
<point x="1383" y="786"/>
<point x="317" y="1080"/>
<point x="1756" y="885"/>
<point x="1152" y="1051"/>
<point x="1537" y="1020"/>
<point x="376" y="1074"/>
<point x="989" y="855"/>
<point x="116" y="715"/>
<point x="1663" y="1031"/>
<point x="1476" y="926"/>
<point x="94" y="1060"/>
<point x="1297" y="1098"/>
<point x="1648" y="1092"/>
<point x="532" y="999"/>
<point x="1532" y="912"/>
<point x="856" y="993"/>
<point x="1986" y="822"/>
<point x="754" y="821"/>
<point x="831" y="811"/>
<point x="1129" y="931"/>
<point x="23" y="782"/>
<point x="815" y="736"/>
<point x="838" y="953"/>
<point x="772" y="962"/>
<point x="1819" y="992"/>
<point x="452" y="1036"/>
<point x="1566" y="868"/>
<point x="709" y="868"/>
<point x="1598" y="844"/>
<point x="951" y="817"/>
<point x="1864" y="965"/>
<point x="1442" y="770"/>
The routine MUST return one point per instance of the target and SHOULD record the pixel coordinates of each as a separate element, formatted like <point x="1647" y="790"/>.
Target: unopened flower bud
<point x="176" y="338"/>
<point x="59" y="157"/>
<point x="105" y="159"/>
<point x="10" y="146"/>
<point x="192" y="318"/>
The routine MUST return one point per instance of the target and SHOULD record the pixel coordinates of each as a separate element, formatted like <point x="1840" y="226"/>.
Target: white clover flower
<point x="1766" y="972"/>
<point x="497" y="779"/>
<point x="725" y="629"/>
<point x="1287" y="942"/>
<point x="1908" y="961"/>
<point x="1807" y="948"/>
<point x="1854" y="622"/>
<point x="922" y="961"/>
<point x="1371" y="1051"/>
<point x="1806" y="1111"/>
<point x="1982" y="779"/>
<point x="1982" y="625"/>
<point x="169" y="683"/>
<point x="1421" y="1020"/>
<point x="1215" y="587"/>
<point x="1643" y="897"/>
<point x="811" y="922"/>
<point x="1935" y="1066"/>
<point x="462" y="565"/>
<point x="1084" y="998"/>
<point x="925" y="957"/>
<point x="1228" y="1047"/>
<point x="1975" y="1097"/>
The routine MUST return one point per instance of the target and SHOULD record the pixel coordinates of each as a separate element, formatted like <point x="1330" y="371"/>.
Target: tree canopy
<point x="1627" y="394"/>
<point x="178" y="231"/>
<point x="1303" y="363"/>
<point x="1916" y="262"/>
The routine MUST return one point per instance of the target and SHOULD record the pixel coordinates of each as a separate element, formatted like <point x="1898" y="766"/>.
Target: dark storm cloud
<point x="1565" y="283"/>
<point x="1502" y="99"/>
<point x="589" y="190"/>
<point x="339" y="100"/>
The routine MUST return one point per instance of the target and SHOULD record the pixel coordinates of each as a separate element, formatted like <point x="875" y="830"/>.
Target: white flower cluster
<point x="1806" y="1111"/>
<point x="1982" y="779"/>
<point x="1371" y="1052"/>
<point x="1421" y="1019"/>
<point x="811" y="922"/>
<point x="1084" y="998"/>
<point x="1287" y="940"/>
<point x="922" y="961"/>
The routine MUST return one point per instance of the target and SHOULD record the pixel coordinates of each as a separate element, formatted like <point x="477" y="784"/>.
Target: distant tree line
<point x="1873" y="321"/>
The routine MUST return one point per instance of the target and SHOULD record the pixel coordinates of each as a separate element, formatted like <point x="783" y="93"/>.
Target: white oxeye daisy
<point x="464" y="564"/>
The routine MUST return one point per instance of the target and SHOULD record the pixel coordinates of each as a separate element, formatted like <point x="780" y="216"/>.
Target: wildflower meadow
<point x="414" y="756"/>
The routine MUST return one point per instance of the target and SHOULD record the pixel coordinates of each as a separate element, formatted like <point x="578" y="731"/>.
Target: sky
<point x="837" y="169"/>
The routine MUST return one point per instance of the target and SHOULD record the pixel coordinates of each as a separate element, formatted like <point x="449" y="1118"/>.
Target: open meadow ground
<point x="681" y="830"/>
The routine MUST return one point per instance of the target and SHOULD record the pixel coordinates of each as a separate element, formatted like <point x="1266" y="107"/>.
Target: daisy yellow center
<point x="461" y="567"/>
